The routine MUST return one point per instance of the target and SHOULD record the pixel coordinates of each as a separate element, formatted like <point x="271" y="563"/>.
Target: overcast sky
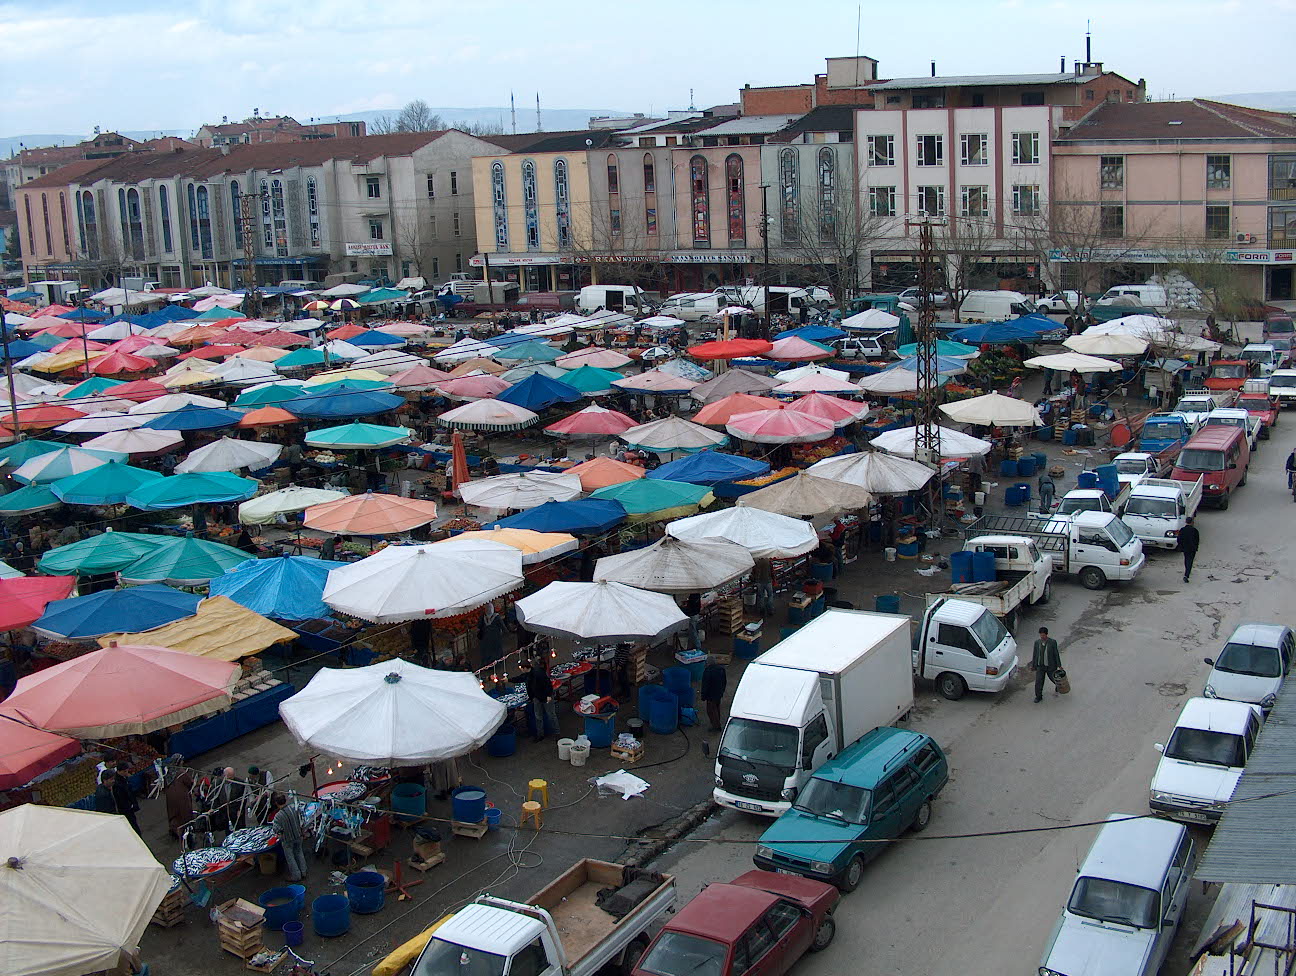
<point x="74" y="64"/>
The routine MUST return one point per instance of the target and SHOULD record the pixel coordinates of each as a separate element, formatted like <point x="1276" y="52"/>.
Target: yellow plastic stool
<point x="539" y="786"/>
<point x="531" y="810"/>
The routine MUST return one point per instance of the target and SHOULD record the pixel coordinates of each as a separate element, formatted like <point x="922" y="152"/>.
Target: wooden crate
<point x="426" y="864"/>
<point x="239" y="927"/>
<point x="171" y="909"/>
<point x="627" y="755"/>
<point x="727" y="616"/>
<point x="474" y="830"/>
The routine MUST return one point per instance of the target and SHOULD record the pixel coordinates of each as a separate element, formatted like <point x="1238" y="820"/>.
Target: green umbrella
<point x="91" y="387"/>
<point x="32" y="498"/>
<point x="382" y="295"/>
<point x="358" y="437"/>
<point x="269" y="395"/>
<point x="218" y="312"/>
<point x="197" y="488"/>
<point x="530" y="352"/>
<point x="591" y="380"/>
<point x="300" y="357"/>
<point x="658" y="498"/>
<point x="944" y="347"/>
<point x="15" y="454"/>
<point x="347" y="386"/>
<point x="108" y="484"/>
<point x="184" y="562"/>
<point x="104" y="553"/>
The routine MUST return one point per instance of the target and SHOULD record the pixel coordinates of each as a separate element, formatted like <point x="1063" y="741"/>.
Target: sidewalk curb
<point x="639" y="853"/>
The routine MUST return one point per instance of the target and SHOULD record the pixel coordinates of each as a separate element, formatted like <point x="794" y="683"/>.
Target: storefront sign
<point x="619" y="257"/>
<point x="369" y="250"/>
<point x="1146" y="256"/>
<point x="709" y="257"/>
<point x="517" y="260"/>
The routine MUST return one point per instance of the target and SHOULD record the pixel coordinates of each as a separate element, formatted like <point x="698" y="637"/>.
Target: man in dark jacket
<point x="1045" y="660"/>
<point x="125" y="799"/>
<point x="103" y="796"/>
<point x="544" y="713"/>
<point x="1189" y="540"/>
<point x="714" y="681"/>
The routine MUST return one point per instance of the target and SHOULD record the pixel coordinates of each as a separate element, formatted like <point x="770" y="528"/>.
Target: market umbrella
<point x="710" y="468"/>
<point x="537" y="392"/>
<point x="730" y="349"/>
<point x="779" y="427"/>
<point x="93" y="386"/>
<point x="104" y="422"/>
<point x="944" y="347"/>
<point x="657" y="500"/>
<point x="357" y="437"/>
<point x="43" y="416"/>
<point x="835" y="410"/>
<point x="823" y="382"/>
<point x="24" y="598"/>
<point x="266" y="417"/>
<point x="115" y="363"/>
<point x="115" y="611"/>
<point x="875" y="471"/>
<point x="196" y="488"/>
<point x="135" y="441"/>
<point x="518" y="373"/>
<point x="389" y="361"/>
<point x="184" y="562"/>
<point x="371" y="513"/>
<point x="108" y="484"/>
<point x="20" y="452"/>
<point x="417" y="378"/>
<point x="424" y="581"/>
<point x="477" y="365"/>
<point x="673" y="434"/>
<point x="340" y="405"/>
<point x="477" y="387"/>
<point x="993" y="410"/>
<point x="190" y="377"/>
<point x="806" y="496"/>
<point x="192" y="417"/>
<point x="262" y="354"/>
<point x="123" y="690"/>
<point x="531" y="351"/>
<point x="172" y="402"/>
<point x="946" y="365"/>
<point x="1106" y="344"/>
<point x="264" y="509"/>
<point x="996" y="332"/>
<point x="656" y="381"/>
<point x="229" y="454"/>
<point x="376" y="339"/>
<point x="107" y="552"/>
<point x="535" y="546"/>
<point x="345" y="331"/>
<point x="458" y="468"/>
<point x="488" y="415"/>
<point x="588" y="516"/>
<point x="893" y="381"/>
<point x="953" y="443"/>
<point x="344" y="305"/>
<point x="600" y="472"/>
<point x="814" y="333"/>
<point x="525" y="489"/>
<point x="718" y="412"/>
<point x="466" y="350"/>
<point x="765" y="535"/>
<point x="593" y="421"/>
<point x="591" y="380"/>
<point x="28" y="499"/>
<point x="300" y="358"/>
<point x="280" y="587"/>
<point x="392" y="714"/>
<point x="871" y="318"/>
<point x="673" y="565"/>
<point x="594" y="357"/>
<point x="25" y="753"/>
<point x="601" y="613"/>
<point x="731" y="382"/>
<point x="347" y="381"/>
<point x="1065" y="362"/>
<point x="270" y="394"/>
<point x="79" y="893"/>
<point x="64" y="463"/>
<point x="810" y="369"/>
<point x="795" y="349"/>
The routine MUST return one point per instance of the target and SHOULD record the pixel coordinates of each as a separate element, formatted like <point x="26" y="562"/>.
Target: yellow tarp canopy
<point x="221" y="629"/>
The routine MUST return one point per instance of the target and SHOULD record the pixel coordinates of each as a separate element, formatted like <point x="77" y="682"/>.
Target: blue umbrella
<point x="506" y="339"/>
<point x="193" y="417"/>
<point x="813" y="333"/>
<point x="331" y="406"/>
<point x="196" y="488"/>
<point x="996" y="332"/>
<point x="287" y="587"/>
<point x="21" y="349"/>
<point x="83" y="315"/>
<point x="46" y="341"/>
<point x="710" y="468"/>
<point x="585" y="517"/>
<point x="538" y="391"/>
<point x="944" y="364"/>
<point x="373" y="339"/>
<point x="116" y="612"/>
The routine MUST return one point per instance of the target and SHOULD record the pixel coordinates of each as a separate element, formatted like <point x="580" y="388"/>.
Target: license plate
<point x="754" y="807"/>
<point x="1194" y="816"/>
<point x="784" y="871"/>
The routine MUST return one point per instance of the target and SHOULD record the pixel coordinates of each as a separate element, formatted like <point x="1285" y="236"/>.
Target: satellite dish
<point x="589" y="143"/>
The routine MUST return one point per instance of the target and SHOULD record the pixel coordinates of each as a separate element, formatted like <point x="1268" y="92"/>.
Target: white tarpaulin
<point x="953" y="443"/>
<point x="806" y="496"/>
<point x="764" y="534"/>
<point x="993" y="410"/>
<point x="673" y="565"/>
<point x="392" y="714"/>
<point x="872" y="319"/>
<point x="525" y="489"/>
<point x="1065" y="362"/>
<point x="263" y="509"/>
<point x="229" y="454"/>
<point x="882" y="474"/>
<point x="1111" y="344"/>
<point x="599" y="612"/>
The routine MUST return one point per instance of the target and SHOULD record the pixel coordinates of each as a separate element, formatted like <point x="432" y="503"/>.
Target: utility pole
<point x="764" y="232"/>
<point x="248" y="204"/>
<point x="8" y="368"/>
<point x="927" y="446"/>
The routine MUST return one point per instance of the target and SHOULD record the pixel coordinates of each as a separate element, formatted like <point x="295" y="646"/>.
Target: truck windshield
<point x="1154" y="507"/>
<point x="1069" y="506"/>
<point x="836" y="801"/>
<point x="1204" y="746"/>
<point x="761" y="742"/>
<point x="1119" y="532"/>
<point x="990" y="632"/>
<point x="1114" y="901"/>
<point x="1131" y="466"/>
<point x="1162" y="429"/>
<point x="1255" y="403"/>
<point x="1197" y="459"/>
<point x="1256" y="355"/>
<point x="1229" y="371"/>
<point x="677" y="954"/>
<point x="1225" y="422"/>
<point x="450" y="959"/>
<point x="1199" y="405"/>
<point x="1287" y="382"/>
<point x="1258" y="662"/>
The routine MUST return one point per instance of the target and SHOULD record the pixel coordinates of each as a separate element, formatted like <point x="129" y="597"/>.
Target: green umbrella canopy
<point x="28" y="499"/>
<point x="184" y="562"/>
<point x="642" y="496"/>
<point x="531" y="352"/>
<point x="104" y="553"/>
<point x="108" y="484"/>
<point x="346" y="386"/>
<point x="300" y="357"/>
<point x="218" y="312"/>
<point x="15" y="454"/>
<point x="91" y="387"/>
<point x="274" y="393"/>
<point x="591" y="380"/>
<point x="197" y="488"/>
<point x="358" y="437"/>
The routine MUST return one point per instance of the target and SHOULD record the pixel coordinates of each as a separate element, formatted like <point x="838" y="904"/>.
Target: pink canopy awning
<point x="779" y="427"/>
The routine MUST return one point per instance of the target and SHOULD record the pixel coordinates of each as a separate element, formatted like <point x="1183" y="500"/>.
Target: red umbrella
<point x="735" y="403"/>
<point x="593" y="421"/>
<point x="779" y="427"/>
<point x="76" y="345"/>
<point x="23" y="598"/>
<point x="730" y="349"/>
<point x="59" y="327"/>
<point x="25" y="752"/>
<point x="276" y="338"/>
<point x="54" y="310"/>
<point x="115" y="363"/>
<point x="44" y="416"/>
<point x="458" y="460"/>
<point x="830" y="408"/>
<point x="212" y="352"/>
<point x="139" y="390"/>
<point x="345" y="331"/>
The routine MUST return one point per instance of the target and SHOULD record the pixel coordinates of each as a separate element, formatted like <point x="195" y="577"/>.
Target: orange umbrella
<point x="115" y="363"/>
<point x="478" y="365"/>
<point x="735" y="403"/>
<point x="458" y="460"/>
<point x="345" y="331"/>
<point x="370" y="514"/>
<point x="266" y="417"/>
<point x="43" y="417"/>
<point x="76" y="345"/>
<point x="601" y="472"/>
<point x="212" y="352"/>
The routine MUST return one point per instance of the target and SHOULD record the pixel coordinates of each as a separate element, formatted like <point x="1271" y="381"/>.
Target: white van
<point x="694" y="306"/>
<point x="1253" y="665"/>
<point x="615" y="298"/>
<point x="1202" y="760"/>
<point x="1153" y="296"/>
<point x="994" y="306"/>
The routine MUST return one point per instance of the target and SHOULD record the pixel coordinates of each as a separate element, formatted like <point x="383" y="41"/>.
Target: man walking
<point x="1047" y="489"/>
<point x="1045" y="660"/>
<point x="714" y="681"/>
<point x="287" y="825"/>
<point x="1189" y="540"/>
<point x="544" y="713"/>
<point x="1291" y="468"/>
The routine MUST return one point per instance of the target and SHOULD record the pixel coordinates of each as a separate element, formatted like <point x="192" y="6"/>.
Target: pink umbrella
<point x="134" y="343"/>
<point x="417" y="378"/>
<point x="779" y="427"/>
<point x="472" y="387"/>
<point x="795" y="349"/>
<point x="595" y="356"/>
<point x="833" y="409"/>
<point x="126" y="690"/>
<point x="25" y="752"/>
<point x="593" y="421"/>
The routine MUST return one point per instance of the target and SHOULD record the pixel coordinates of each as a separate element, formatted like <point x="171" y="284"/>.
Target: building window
<point x="1026" y="200"/>
<point x="931" y="151"/>
<point x="1111" y="172"/>
<point x="312" y="207"/>
<point x="375" y="230"/>
<point x="530" y="205"/>
<point x="929" y="101"/>
<point x="931" y="201"/>
<point x="1032" y="98"/>
<point x="436" y="267"/>
<point x="1282" y="177"/>
<point x="454" y="185"/>
<point x="88" y="214"/>
<point x="650" y="174"/>
<point x="458" y="259"/>
<point x="974" y="201"/>
<point x="192" y="195"/>
<point x="63" y="218"/>
<point x="881" y="150"/>
<point x="267" y="225"/>
<point x="236" y="206"/>
<point x="562" y="203"/>
<point x="1282" y="227"/>
<point x="49" y="237"/>
<point x="1219" y="225"/>
<point x="882" y="201"/>
<point x="1219" y="172"/>
<point x="455" y="226"/>
<point x="164" y="215"/>
<point x="650" y="221"/>
<point x="613" y="173"/>
<point x="978" y="99"/>
<point x="614" y="222"/>
<point x="31" y="237"/>
<point x="135" y="223"/>
<point x="734" y="203"/>
<point x="1111" y="220"/>
<point x="373" y="187"/>
<point x="431" y="181"/>
<point x="204" y="224"/>
<point x="280" y="214"/>
<point x="432" y="226"/>
<point x="1025" y="151"/>
<point x="827" y="194"/>
<point x="498" y="205"/>
<point x="672" y="140"/>
<point x="700" y="201"/>
<point x="974" y="149"/>
<point x="81" y="238"/>
<point x="122" y="224"/>
<point x="790" y="192"/>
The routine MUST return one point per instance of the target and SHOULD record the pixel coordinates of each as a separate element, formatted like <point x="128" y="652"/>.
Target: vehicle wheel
<point x="951" y="686"/>
<point x="1243" y="481"/>
<point x="922" y="817"/>
<point x="633" y="953"/>
<point x="1264" y="433"/>
<point x="1224" y="502"/>
<point x="824" y="934"/>
<point x="1047" y="594"/>
<point x="853" y="875"/>
<point x="1092" y="578"/>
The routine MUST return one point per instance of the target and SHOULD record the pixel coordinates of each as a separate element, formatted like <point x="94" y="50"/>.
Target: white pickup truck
<point x="1091" y="500"/>
<point x="1023" y="577"/>
<point x="1092" y="546"/>
<point x="1195" y="405"/>
<point x="1134" y="467"/>
<point x="1159" y="508"/>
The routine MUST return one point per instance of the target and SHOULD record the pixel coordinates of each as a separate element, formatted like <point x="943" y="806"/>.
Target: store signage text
<point x="368" y="250"/>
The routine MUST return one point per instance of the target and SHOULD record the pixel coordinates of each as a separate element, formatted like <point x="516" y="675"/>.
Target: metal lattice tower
<point x="927" y="434"/>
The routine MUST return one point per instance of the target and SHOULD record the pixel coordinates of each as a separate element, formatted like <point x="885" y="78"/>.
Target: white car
<point x="1127" y="901"/>
<point x="1202" y="761"/>
<point x="1062" y="301"/>
<point x="1253" y="665"/>
<point x="1264" y="353"/>
<point x="1237" y="417"/>
<point x="939" y="299"/>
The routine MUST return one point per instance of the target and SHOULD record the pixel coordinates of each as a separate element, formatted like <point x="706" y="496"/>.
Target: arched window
<point x="312" y="205"/>
<point x="562" y="203"/>
<point x="164" y="213"/>
<point x="204" y="223"/>
<point x="499" y="206"/>
<point x="280" y="215"/>
<point x="650" y="174"/>
<point x="530" y="205"/>
<point x="827" y="194"/>
<point x="49" y="238"/>
<point x="31" y="238"/>
<point x="67" y="238"/>
<point x="236" y="206"/>
<point x="790" y="194"/>
<point x="735" y="206"/>
<point x="90" y="224"/>
<point x="122" y="221"/>
<point x="193" y="218"/>
<point x="267" y="227"/>
<point x="135" y="224"/>
<point x="700" y="199"/>
<point x="614" y="175"/>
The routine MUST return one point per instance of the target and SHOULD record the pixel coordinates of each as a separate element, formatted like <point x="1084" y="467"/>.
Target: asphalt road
<point x="954" y="906"/>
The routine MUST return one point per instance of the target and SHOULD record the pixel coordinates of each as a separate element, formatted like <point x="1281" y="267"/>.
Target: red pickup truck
<point x="1260" y="405"/>
<point x="1228" y="374"/>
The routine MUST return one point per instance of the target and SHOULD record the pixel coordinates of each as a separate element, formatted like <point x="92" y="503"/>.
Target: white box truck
<point x="808" y="697"/>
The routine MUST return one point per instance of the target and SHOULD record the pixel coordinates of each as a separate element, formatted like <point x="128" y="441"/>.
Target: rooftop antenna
<point x="539" y="124"/>
<point x="859" y="14"/>
<point x="692" y="107"/>
<point x="1088" y="46"/>
<point x="513" y="112"/>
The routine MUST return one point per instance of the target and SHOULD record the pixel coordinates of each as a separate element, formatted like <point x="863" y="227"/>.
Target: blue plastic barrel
<point x="888" y="602"/>
<point x="646" y="695"/>
<point x="331" y="915"/>
<point x="597" y="682"/>
<point x="503" y="743"/>
<point x="1026" y="467"/>
<point x="1043" y="433"/>
<point x="677" y="677"/>
<point x="282" y="905"/>
<point x="493" y="818"/>
<point x="1041" y="459"/>
<point x="600" y="729"/>
<point x="983" y="567"/>
<point x="663" y="715"/>
<point x="1015" y="496"/>
<point x="961" y="566"/>
<point x="907" y="549"/>
<point x="294" y="933"/>
<point x="684" y="696"/>
<point x="365" y="891"/>
<point x="822" y="571"/>
<point x="468" y="804"/>
<point x="409" y="800"/>
<point x="1008" y="468"/>
<point x="1087" y="479"/>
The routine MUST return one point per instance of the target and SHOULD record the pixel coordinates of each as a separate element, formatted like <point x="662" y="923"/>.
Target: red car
<point x="1228" y="374"/>
<point x="759" y="922"/>
<point x="1260" y="405"/>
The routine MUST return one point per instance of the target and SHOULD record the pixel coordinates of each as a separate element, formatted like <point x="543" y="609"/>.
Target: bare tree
<point x="614" y="251"/>
<point x="480" y="128"/>
<point x="416" y="116"/>
<point x="831" y="246"/>
<point x="416" y="247"/>
<point x="960" y="246"/>
<point x="1200" y="278"/>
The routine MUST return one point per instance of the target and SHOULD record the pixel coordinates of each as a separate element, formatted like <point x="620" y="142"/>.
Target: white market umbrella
<point x="871" y="318"/>
<point x="993" y="410"/>
<point x="489" y="415"/>
<point x="603" y="613"/>
<point x="62" y="463"/>
<point x="765" y="535"/>
<point x="672" y="434"/>
<point x="423" y="581"/>
<point x="265" y="508"/>
<point x="341" y="349"/>
<point x="1106" y="344"/>
<point x="806" y="496"/>
<point x="875" y="471"/>
<point x="390" y="361"/>
<point x="345" y="290"/>
<point x="170" y="402"/>
<point x="953" y="443"/>
<point x="141" y="441"/>
<point x="791" y="375"/>
<point x="891" y="381"/>
<point x="522" y="490"/>
<point x="78" y="890"/>
<point x="229" y="454"/>
<point x="392" y="714"/>
<point x="101" y="422"/>
<point x="244" y="372"/>
<point x="1065" y="362"/>
<point x="673" y="565"/>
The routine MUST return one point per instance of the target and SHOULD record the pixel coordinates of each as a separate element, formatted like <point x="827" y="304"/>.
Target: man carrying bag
<point x="1047" y="660"/>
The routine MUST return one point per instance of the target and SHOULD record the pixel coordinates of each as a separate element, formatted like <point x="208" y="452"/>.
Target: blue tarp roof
<point x="813" y="333"/>
<point x="710" y="468"/>
<point x="23" y="296"/>
<point x="585" y="517"/>
<point x="125" y="611"/>
<point x="1012" y="331"/>
<point x="83" y="315"/>
<point x="286" y="587"/>
<point x="538" y="391"/>
<point x="337" y="405"/>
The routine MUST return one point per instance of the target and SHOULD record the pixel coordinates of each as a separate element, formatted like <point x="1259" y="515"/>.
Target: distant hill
<point x="1281" y="101"/>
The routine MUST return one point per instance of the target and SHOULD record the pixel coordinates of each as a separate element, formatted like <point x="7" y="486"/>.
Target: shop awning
<point x="221" y="629"/>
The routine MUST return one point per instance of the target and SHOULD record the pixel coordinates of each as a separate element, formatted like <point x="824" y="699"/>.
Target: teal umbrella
<point x="271" y="394"/>
<point x="382" y="295"/>
<point x="198" y="488"/>
<point x="660" y="499"/>
<point x="16" y="454"/>
<point x="347" y="386"/>
<point x="300" y="357"/>
<point x="358" y="437"/>
<point x="104" y="553"/>
<point x="218" y="312"/>
<point x="591" y="380"/>
<point x="944" y="347"/>
<point x="63" y="463"/>
<point x="529" y="352"/>
<point x="184" y="562"/>
<point x="94" y="386"/>
<point x="24" y="501"/>
<point x="108" y="484"/>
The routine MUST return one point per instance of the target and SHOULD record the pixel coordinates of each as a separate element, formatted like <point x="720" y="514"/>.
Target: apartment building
<point x="282" y="128"/>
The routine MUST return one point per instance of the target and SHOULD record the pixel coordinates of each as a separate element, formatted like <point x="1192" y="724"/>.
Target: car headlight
<point x="1171" y="533"/>
<point x="1209" y="692"/>
<point x="1268" y="701"/>
<point x="1045" y="971"/>
<point x="821" y="867"/>
<point x="763" y="851"/>
<point x="719" y="781"/>
<point x="791" y="794"/>
<point x="1158" y="797"/>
